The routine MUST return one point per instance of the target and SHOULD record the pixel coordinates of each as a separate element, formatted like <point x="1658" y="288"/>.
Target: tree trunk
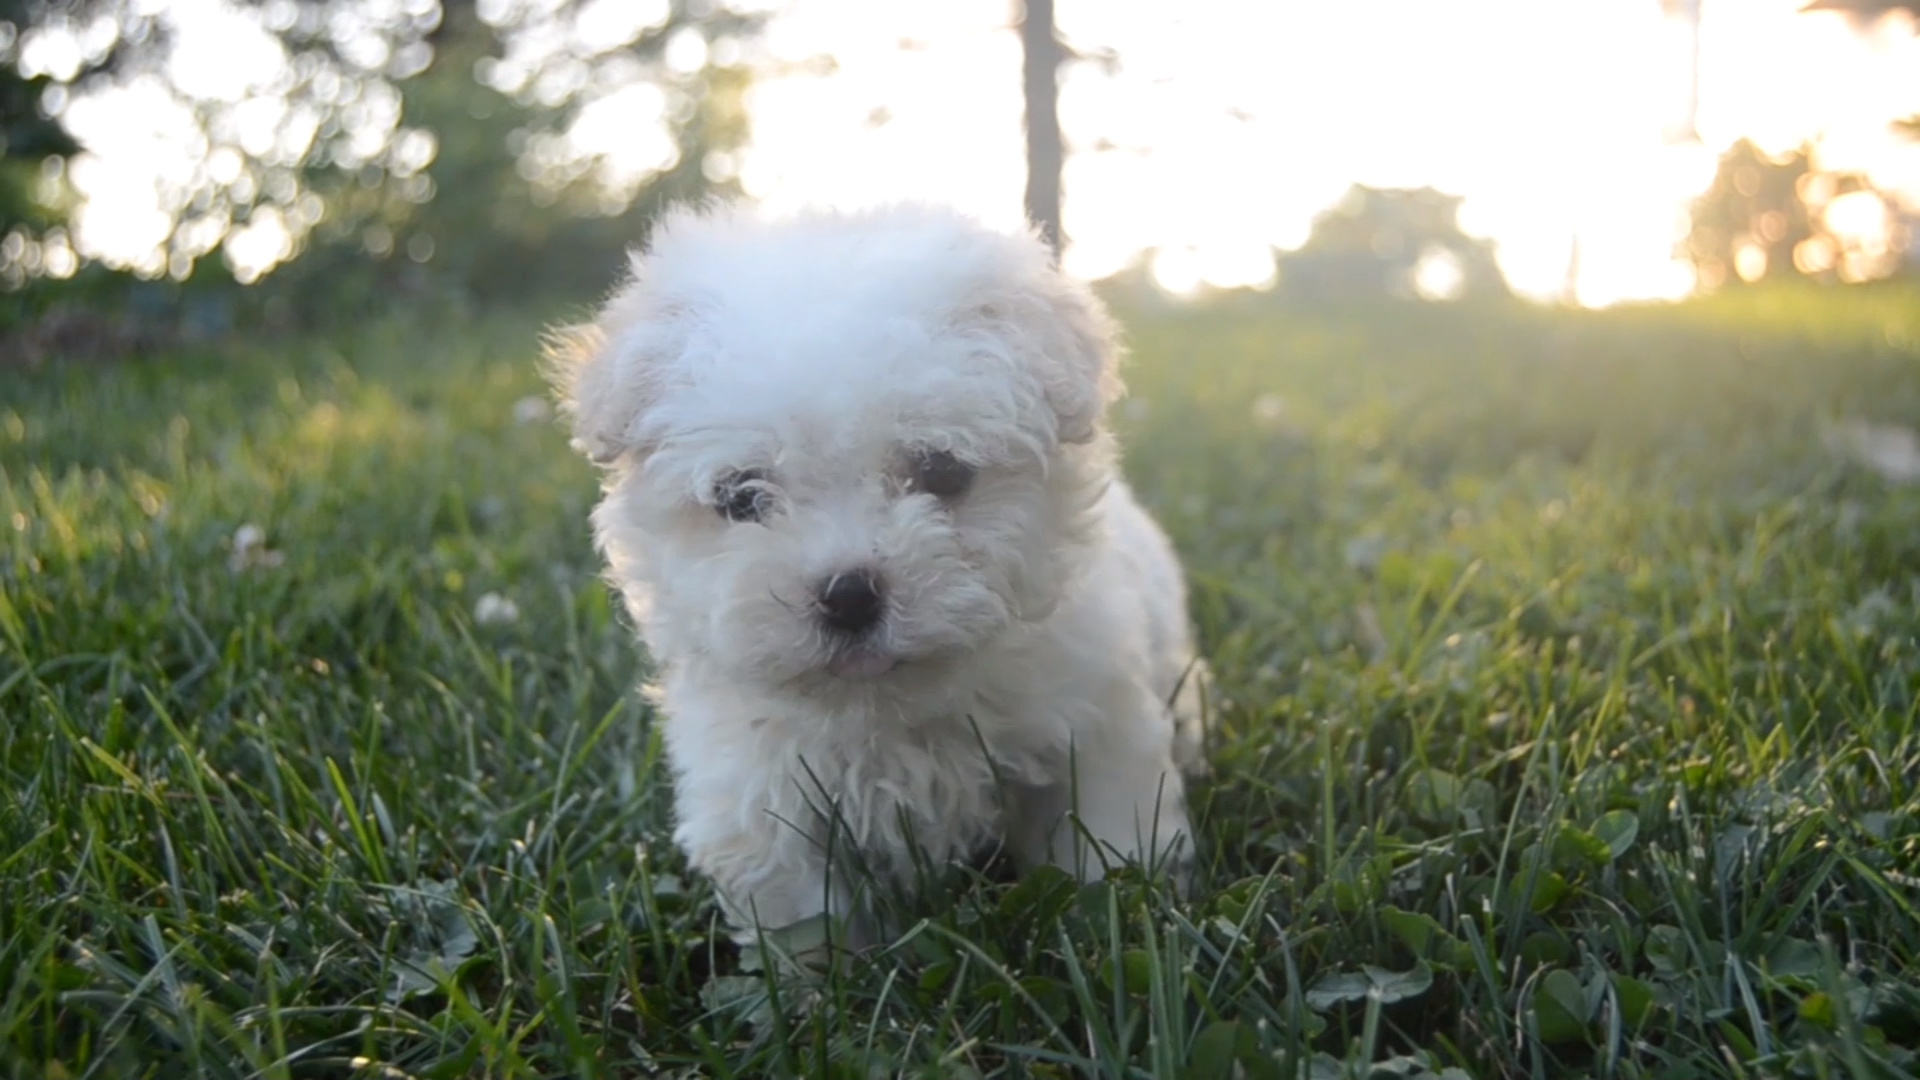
<point x="1041" y="49"/>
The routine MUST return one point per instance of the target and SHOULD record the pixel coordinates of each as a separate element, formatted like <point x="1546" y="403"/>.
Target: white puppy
<point x="861" y="501"/>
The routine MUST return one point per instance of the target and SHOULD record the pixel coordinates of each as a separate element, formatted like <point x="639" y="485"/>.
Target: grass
<point x="1572" y="725"/>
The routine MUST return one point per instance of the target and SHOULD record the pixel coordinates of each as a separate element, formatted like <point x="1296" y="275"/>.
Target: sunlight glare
<point x="259" y="245"/>
<point x="609" y="24"/>
<point x="686" y="51"/>
<point x="1439" y="276"/>
<point x="1177" y="270"/>
<point x="223" y="55"/>
<point x="140" y="140"/>
<point x="628" y="129"/>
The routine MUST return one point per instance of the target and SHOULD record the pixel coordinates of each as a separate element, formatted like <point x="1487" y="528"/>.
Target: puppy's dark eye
<point x="942" y="475"/>
<point x="742" y="496"/>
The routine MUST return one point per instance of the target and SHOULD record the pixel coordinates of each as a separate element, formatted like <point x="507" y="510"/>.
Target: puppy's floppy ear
<point x="1062" y="333"/>
<point x="606" y="373"/>
<point x="1079" y="340"/>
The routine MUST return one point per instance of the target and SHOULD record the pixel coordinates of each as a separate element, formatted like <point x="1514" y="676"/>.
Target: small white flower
<point x="1268" y="407"/>
<point x="495" y="610"/>
<point x="250" y="550"/>
<point x="532" y="409"/>
<point x="1888" y="449"/>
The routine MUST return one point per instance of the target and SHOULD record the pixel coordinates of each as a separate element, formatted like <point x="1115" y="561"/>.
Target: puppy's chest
<point x="937" y="785"/>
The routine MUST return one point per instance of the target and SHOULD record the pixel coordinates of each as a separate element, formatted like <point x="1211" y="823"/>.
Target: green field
<point x="1572" y="724"/>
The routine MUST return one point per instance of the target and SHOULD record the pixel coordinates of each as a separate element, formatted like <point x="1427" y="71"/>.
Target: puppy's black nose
<point x="851" y="602"/>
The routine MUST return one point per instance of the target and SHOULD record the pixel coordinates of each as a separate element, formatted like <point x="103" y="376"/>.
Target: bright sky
<point x="1228" y="124"/>
<point x="1215" y="132"/>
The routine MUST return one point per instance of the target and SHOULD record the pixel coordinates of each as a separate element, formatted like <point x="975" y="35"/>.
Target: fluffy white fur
<point x="1034" y="627"/>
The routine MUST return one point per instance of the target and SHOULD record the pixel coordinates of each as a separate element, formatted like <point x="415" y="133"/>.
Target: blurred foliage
<point x="1767" y="217"/>
<point x="245" y="104"/>
<point x="26" y="134"/>
<point x="1754" y="210"/>
<point x="1391" y="243"/>
<point x="412" y="149"/>
<point x="497" y="225"/>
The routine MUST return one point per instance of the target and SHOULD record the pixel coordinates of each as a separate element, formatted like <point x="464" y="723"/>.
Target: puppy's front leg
<point x="1126" y="798"/>
<point x="768" y="878"/>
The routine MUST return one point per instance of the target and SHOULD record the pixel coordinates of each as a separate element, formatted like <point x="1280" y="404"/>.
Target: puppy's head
<point x="842" y="449"/>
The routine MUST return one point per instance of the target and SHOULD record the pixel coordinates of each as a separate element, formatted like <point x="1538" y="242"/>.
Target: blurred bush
<point x="1767" y="218"/>
<point x="1386" y="242"/>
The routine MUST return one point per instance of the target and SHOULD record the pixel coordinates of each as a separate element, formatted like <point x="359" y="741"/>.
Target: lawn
<point x="1571" y="724"/>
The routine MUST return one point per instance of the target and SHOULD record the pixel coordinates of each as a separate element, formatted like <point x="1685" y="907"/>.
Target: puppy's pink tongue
<point x="861" y="665"/>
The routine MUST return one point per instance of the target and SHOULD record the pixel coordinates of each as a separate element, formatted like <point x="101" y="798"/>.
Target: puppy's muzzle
<point x="851" y="603"/>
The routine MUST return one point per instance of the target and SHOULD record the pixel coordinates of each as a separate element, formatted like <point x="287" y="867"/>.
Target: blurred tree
<point x="1391" y="242"/>
<point x="553" y="155"/>
<point x="479" y="146"/>
<point x="1042" y="53"/>
<point x="1688" y="129"/>
<point x="1748" y="223"/>
<point x="27" y="135"/>
<point x="232" y="109"/>
<point x="33" y="149"/>
<point x="1766" y="217"/>
<point x="1865" y="9"/>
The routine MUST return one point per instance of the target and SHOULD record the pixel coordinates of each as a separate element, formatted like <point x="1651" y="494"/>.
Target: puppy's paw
<point x="1193" y="706"/>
